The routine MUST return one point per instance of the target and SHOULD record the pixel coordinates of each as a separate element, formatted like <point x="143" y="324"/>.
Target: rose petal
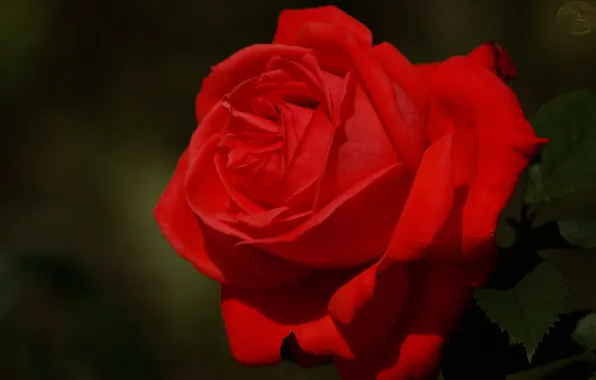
<point x="268" y="223"/>
<point x="257" y="321"/>
<point x="261" y="220"/>
<point x="437" y="297"/>
<point x="360" y="147"/>
<point x="425" y="70"/>
<point x="307" y="72"/>
<point x="310" y="155"/>
<point x="208" y="198"/>
<point x="245" y="64"/>
<point x="422" y="217"/>
<point x="206" y="193"/>
<point x="378" y="84"/>
<point x="505" y="142"/>
<point x="179" y="225"/>
<point x="249" y="121"/>
<point x="291" y="21"/>
<point x="214" y="123"/>
<point x="247" y="204"/>
<point x="295" y="119"/>
<point x="411" y="93"/>
<point x="266" y="270"/>
<point x="427" y="207"/>
<point x="381" y="309"/>
<point x="370" y="299"/>
<point x="182" y="229"/>
<point x="495" y="58"/>
<point x="489" y="55"/>
<point x="352" y="229"/>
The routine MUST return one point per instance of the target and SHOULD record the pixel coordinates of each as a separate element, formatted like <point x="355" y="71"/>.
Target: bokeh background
<point x="97" y="103"/>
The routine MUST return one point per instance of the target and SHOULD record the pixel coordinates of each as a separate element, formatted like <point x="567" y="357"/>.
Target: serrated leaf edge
<point x="565" y="301"/>
<point x="531" y="350"/>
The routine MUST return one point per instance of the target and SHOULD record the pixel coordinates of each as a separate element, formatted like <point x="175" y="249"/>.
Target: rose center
<point x="269" y="115"/>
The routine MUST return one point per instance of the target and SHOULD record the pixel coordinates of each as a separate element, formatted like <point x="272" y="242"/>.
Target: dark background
<point x="97" y="103"/>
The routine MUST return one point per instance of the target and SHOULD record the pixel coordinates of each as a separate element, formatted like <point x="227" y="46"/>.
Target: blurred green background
<point x="97" y="102"/>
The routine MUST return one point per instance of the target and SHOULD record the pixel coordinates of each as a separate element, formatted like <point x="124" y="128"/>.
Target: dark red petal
<point x="257" y="321"/>
<point x="295" y="119"/>
<point x="261" y="269"/>
<point x="187" y="236"/>
<point x="352" y="229"/>
<point x="505" y="142"/>
<point x="244" y="202"/>
<point x="291" y="21"/>
<point x="205" y="100"/>
<point x="495" y="58"/>
<point x="249" y="121"/>
<point x="376" y="81"/>
<point x="303" y="181"/>
<point x="370" y="299"/>
<point x="427" y="207"/>
<point x="244" y="64"/>
<point x="206" y="193"/>
<point x="214" y="123"/>
<point x="291" y="347"/>
<point x="425" y="70"/>
<point x="307" y="72"/>
<point x="360" y="147"/>
<point x="310" y="155"/>
<point x="180" y="226"/>
<point x="267" y="223"/>
<point x="489" y="55"/>
<point x="412" y="97"/>
<point x="355" y="338"/>
<point x="424" y="213"/>
<point x="437" y="297"/>
<point x="208" y="198"/>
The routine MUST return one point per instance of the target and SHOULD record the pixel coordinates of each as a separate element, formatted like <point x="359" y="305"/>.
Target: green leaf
<point x="567" y="162"/>
<point x="531" y="308"/>
<point x="585" y="332"/>
<point x="579" y="232"/>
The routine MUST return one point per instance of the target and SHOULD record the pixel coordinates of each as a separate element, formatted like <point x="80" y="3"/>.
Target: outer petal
<point x="494" y="58"/>
<point x="424" y="213"/>
<point x="207" y="197"/>
<point x="371" y="299"/>
<point x="360" y="147"/>
<point x="242" y="65"/>
<point x="186" y="234"/>
<point x="410" y="91"/>
<point x="352" y="192"/>
<point x="311" y="153"/>
<point x="438" y="296"/>
<point x="292" y="20"/>
<point x="426" y="69"/>
<point x="180" y="226"/>
<point x="427" y="207"/>
<point x="258" y="321"/>
<point x="377" y="83"/>
<point x="378" y="312"/>
<point x="505" y="143"/>
<point x="351" y="230"/>
<point x="489" y="55"/>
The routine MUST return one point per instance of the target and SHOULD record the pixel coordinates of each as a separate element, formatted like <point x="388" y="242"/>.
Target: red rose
<point x="345" y="199"/>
